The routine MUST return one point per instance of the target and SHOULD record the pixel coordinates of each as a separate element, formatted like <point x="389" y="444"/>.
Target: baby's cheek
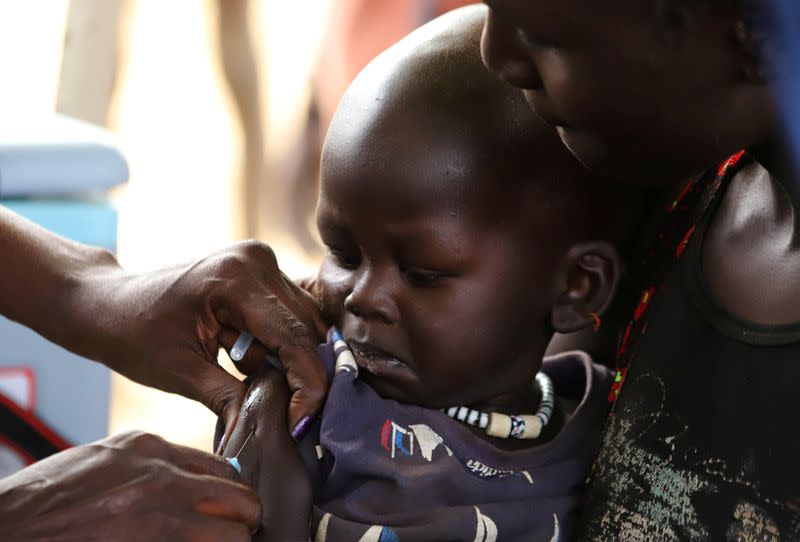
<point x="334" y="285"/>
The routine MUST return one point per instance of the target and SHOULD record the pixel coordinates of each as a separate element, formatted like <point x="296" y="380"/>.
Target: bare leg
<point x="243" y="76"/>
<point x="90" y="61"/>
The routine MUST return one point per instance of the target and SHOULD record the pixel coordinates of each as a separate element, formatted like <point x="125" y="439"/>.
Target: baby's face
<point x="627" y="92"/>
<point x="438" y="282"/>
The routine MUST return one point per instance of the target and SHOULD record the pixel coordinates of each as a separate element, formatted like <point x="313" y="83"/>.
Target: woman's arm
<point x="164" y="328"/>
<point x="39" y="275"/>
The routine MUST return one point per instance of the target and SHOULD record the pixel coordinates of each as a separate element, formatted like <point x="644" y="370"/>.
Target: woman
<point x="699" y="445"/>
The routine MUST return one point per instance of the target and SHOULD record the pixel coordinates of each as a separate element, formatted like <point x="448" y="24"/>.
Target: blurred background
<point x="219" y="107"/>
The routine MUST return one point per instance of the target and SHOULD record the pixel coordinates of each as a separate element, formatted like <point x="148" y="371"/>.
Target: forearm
<point x="43" y="277"/>
<point x="271" y="462"/>
<point x="163" y="328"/>
<point x="283" y="484"/>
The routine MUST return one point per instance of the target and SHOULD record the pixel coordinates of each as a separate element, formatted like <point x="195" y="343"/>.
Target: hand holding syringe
<point x="238" y="352"/>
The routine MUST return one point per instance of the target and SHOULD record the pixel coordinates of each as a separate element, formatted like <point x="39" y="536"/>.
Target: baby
<point x="461" y="235"/>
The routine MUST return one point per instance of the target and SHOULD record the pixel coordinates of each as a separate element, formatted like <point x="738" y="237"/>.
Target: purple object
<point x="302" y="427"/>
<point x="780" y="20"/>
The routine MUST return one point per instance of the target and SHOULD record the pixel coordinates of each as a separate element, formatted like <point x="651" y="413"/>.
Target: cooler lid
<point x="52" y="155"/>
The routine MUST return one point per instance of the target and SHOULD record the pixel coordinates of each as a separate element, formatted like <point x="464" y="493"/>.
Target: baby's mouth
<point x="375" y="360"/>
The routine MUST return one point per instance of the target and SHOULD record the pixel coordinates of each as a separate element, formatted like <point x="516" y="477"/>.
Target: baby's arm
<point x="271" y="462"/>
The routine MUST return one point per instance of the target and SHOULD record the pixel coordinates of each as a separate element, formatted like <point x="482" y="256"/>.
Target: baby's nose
<point x="372" y="297"/>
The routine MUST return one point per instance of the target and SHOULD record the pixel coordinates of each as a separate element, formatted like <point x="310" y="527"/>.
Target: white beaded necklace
<point x="518" y="426"/>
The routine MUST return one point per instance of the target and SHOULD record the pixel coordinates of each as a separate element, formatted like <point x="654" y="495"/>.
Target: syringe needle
<point x="245" y="442"/>
<point x="234" y="461"/>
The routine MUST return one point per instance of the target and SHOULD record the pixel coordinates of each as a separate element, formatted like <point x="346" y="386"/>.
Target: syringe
<point x="241" y="345"/>
<point x="234" y="461"/>
<point x="238" y="351"/>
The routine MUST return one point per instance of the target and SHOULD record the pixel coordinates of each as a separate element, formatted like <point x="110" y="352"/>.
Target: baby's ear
<point x="587" y="282"/>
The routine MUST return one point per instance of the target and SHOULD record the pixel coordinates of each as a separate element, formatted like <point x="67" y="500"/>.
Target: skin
<point x="652" y="104"/>
<point x="162" y="329"/>
<point x="447" y="267"/>
<point x="133" y="486"/>
<point x="438" y="219"/>
<point x="670" y="103"/>
<point x="270" y="461"/>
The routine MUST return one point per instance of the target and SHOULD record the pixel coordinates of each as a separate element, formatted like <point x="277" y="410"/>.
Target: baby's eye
<point x="425" y="278"/>
<point x="346" y="259"/>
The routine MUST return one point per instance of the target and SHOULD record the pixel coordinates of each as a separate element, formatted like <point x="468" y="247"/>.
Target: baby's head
<point x="460" y="233"/>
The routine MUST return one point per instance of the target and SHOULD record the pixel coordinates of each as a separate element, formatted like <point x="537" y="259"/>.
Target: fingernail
<point x="302" y="428"/>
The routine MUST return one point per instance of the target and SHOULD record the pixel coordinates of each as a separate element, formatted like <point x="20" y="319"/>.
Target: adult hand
<point x="166" y="327"/>
<point x="128" y="487"/>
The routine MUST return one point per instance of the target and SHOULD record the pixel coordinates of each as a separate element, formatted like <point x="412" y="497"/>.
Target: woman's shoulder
<point x="750" y="253"/>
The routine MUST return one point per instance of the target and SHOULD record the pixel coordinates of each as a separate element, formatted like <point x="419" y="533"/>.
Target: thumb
<point x="219" y="391"/>
<point x="231" y="413"/>
<point x="308" y="382"/>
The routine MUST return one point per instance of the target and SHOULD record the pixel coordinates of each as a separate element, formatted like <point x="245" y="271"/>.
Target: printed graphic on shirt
<point x="396" y="439"/>
<point x="487" y="530"/>
<point x="322" y="529"/>
<point x="484" y="471"/>
<point x="654" y="496"/>
<point x="556" y="530"/>
<point x="751" y="522"/>
<point x="659" y="498"/>
<point x="420" y="439"/>
<point x="375" y="533"/>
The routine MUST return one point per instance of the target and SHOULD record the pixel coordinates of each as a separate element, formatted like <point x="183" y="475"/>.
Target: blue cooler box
<point x="54" y="171"/>
<point x="70" y="394"/>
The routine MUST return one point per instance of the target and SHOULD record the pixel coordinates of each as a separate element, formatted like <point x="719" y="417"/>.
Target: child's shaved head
<point x="460" y="232"/>
<point x="431" y="102"/>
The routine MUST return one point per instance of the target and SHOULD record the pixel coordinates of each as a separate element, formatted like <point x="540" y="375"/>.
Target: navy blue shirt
<point x="385" y="471"/>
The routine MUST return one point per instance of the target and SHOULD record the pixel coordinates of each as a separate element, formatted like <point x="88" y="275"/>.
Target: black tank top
<point x="703" y="442"/>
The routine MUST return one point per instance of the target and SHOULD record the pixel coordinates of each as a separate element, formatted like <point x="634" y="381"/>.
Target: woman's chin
<point x="589" y="151"/>
<point x="623" y="163"/>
